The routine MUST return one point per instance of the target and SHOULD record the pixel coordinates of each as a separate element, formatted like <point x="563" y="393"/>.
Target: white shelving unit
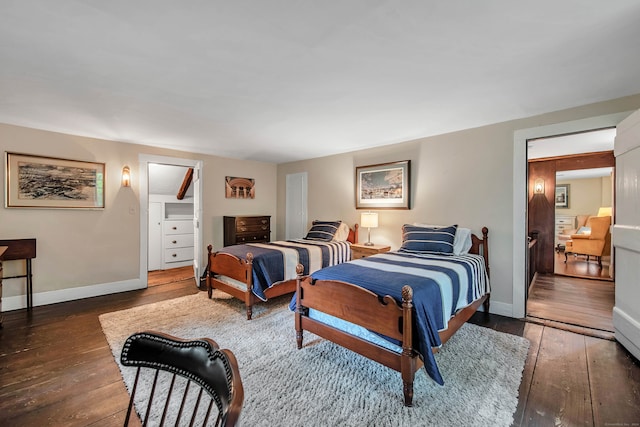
<point x="171" y="229"/>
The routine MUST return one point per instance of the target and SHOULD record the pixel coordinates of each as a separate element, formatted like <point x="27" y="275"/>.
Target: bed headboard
<point x="353" y="234"/>
<point x="481" y="246"/>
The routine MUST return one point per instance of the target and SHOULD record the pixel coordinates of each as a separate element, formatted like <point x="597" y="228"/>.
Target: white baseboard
<point x="501" y="308"/>
<point x="627" y="331"/>
<point x="70" y="294"/>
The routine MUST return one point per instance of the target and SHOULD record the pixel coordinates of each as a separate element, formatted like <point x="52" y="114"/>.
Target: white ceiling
<point x="285" y="80"/>
<point x="562" y="176"/>
<point x="167" y="179"/>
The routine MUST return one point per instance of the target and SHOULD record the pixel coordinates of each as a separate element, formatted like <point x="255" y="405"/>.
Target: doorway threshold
<point x="581" y="330"/>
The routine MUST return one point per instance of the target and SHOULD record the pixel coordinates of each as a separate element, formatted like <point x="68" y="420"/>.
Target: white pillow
<point x="343" y="232"/>
<point x="461" y="242"/>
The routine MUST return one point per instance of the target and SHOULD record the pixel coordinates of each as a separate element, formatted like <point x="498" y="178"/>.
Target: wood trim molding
<point x="186" y="182"/>
<point x="601" y="159"/>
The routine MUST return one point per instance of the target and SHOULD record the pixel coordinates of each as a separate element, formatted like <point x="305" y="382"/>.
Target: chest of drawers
<point x="246" y="229"/>
<point x="177" y="243"/>
<point x="564" y="225"/>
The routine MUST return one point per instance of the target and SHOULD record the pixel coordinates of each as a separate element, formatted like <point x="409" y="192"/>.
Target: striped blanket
<point x="276" y="261"/>
<point x="442" y="285"/>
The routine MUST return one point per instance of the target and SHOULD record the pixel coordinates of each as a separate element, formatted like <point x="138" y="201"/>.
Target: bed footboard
<point x="224" y="264"/>
<point x="364" y="308"/>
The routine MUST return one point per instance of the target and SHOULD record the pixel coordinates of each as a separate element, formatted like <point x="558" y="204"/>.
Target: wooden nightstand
<point x="360" y="250"/>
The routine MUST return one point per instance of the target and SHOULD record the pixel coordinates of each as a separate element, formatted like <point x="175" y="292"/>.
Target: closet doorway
<point x="296" y="205"/>
<point x="170" y="219"/>
<point x="171" y="231"/>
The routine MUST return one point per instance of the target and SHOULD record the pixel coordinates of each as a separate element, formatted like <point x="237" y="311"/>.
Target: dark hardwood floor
<point x="56" y="368"/>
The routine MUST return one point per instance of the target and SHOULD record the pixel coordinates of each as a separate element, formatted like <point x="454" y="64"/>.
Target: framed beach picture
<point x="562" y="196"/>
<point x="50" y="182"/>
<point x="383" y="186"/>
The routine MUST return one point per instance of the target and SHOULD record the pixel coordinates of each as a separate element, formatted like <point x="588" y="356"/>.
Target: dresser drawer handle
<point x="174" y="255"/>
<point x="174" y="241"/>
<point x="264" y="227"/>
<point x="174" y="228"/>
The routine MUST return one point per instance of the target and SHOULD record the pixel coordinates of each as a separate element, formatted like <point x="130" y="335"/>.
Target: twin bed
<point x="259" y="271"/>
<point x="395" y="308"/>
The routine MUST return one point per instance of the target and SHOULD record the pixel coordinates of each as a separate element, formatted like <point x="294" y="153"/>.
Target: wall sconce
<point x="538" y="186"/>
<point x="126" y="176"/>
<point x="369" y="220"/>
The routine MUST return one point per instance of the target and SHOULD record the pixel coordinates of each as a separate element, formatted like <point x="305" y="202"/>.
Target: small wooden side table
<point x="18" y="249"/>
<point x="2" y="251"/>
<point x="360" y="250"/>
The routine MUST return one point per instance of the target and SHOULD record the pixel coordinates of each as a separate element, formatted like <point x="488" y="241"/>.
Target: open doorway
<point x="177" y="221"/>
<point x="590" y="200"/>
<point x="171" y="231"/>
<point x="569" y="217"/>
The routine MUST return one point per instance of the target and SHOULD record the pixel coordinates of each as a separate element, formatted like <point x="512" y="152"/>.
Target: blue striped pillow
<point x="438" y="240"/>
<point x="323" y="230"/>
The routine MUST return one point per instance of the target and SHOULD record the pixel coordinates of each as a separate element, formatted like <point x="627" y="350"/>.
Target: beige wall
<point x="463" y="178"/>
<point x="77" y="248"/>
<point x="586" y="195"/>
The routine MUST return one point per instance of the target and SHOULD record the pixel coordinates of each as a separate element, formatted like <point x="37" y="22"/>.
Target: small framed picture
<point x="562" y="196"/>
<point x="239" y="188"/>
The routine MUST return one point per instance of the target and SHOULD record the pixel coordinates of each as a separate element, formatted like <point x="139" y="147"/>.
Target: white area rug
<point x="325" y="385"/>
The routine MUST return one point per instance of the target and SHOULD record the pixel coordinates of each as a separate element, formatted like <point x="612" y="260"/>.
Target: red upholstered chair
<point x="597" y="243"/>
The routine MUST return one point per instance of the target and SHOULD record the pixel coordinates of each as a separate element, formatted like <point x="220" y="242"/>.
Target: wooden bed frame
<point x="382" y="315"/>
<point x="225" y="264"/>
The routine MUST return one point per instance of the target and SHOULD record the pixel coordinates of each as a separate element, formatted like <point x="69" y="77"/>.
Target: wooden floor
<point x="160" y="277"/>
<point x="56" y="368"/>
<point x="573" y="303"/>
<point x="579" y="266"/>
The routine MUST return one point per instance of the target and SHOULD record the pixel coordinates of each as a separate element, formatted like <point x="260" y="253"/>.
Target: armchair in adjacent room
<point x="597" y="243"/>
<point x="580" y="224"/>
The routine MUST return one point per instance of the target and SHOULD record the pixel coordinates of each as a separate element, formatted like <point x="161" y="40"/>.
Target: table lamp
<point x="369" y="220"/>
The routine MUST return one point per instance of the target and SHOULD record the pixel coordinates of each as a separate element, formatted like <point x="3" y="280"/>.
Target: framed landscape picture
<point x="383" y="186"/>
<point x="49" y="182"/>
<point x="562" y="196"/>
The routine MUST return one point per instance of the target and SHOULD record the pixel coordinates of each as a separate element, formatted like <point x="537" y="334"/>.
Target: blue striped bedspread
<point x="442" y="285"/>
<point x="276" y="261"/>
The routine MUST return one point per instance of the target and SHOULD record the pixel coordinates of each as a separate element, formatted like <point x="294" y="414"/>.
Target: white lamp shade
<point x="369" y="219"/>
